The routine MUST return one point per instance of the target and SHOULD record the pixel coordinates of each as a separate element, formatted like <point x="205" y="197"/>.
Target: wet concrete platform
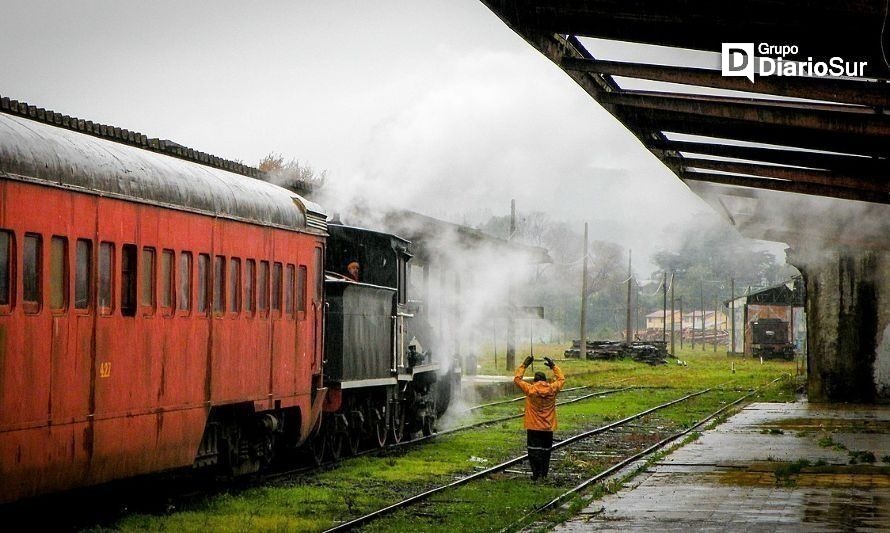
<point x="771" y="467"/>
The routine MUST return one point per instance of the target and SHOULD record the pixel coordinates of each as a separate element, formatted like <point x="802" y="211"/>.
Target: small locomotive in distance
<point x="770" y="339"/>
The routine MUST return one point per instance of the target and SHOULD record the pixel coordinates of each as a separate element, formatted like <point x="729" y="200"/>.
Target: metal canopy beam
<point x="837" y="162"/>
<point x="787" y="186"/>
<point x="753" y="131"/>
<point x="870" y="93"/>
<point x="841" y="119"/>
<point x="785" y="173"/>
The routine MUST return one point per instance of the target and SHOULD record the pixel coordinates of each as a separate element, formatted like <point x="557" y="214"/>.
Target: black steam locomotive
<point x="770" y="339"/>
<point x="383" y="383"/>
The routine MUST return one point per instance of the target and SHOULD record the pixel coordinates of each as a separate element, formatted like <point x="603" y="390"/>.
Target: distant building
<point x="785" y="302"/>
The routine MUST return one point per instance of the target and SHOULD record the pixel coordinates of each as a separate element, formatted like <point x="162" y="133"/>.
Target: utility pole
<point x="511" y="324"/>
<point x="681" y="321"/>
<point x="715" y="323"/>
<point x="583" y="342"/>
<point x="627" y="337"/>
<point x="673" y="353"/>
<point x="701" y="296"/>
<point x="732" y="315"/>
<point x="664" y="304"/>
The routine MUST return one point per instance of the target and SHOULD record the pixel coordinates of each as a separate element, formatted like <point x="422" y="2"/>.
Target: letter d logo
<point x="737" y="59"/>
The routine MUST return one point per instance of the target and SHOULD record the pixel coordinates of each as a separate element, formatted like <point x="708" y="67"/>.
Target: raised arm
<point x="560" y="379"/>
<point x="520" y="371"/>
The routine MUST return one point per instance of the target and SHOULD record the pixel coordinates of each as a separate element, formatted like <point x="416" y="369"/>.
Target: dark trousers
<point x="539" y="444"/>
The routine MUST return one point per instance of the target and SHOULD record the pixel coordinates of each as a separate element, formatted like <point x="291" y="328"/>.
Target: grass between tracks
<point x="360" y="485"/>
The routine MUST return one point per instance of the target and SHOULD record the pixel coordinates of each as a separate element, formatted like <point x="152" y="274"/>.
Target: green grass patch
<point x="360" y="485"/>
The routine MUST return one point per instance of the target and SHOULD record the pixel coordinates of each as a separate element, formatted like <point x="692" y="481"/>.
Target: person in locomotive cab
<point x="540" y="413"/>
<point x="352" y="271"/>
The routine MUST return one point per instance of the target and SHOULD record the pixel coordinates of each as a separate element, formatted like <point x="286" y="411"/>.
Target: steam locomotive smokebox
<point x="357" y="342"/>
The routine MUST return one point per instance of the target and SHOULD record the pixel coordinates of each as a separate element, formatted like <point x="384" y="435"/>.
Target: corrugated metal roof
<point x="34" y="151"/>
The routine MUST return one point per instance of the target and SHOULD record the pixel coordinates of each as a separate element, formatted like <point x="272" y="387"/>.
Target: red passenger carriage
<point x="155" y="313"/>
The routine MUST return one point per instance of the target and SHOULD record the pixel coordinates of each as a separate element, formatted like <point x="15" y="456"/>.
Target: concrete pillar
<point x="848" y="325"/>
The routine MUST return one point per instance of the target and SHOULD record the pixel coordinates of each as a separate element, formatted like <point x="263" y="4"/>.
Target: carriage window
<point x="301" y="288"/>
<point x="83" y="268"/>
<point x="235" y="285"/>
<point x="289" y="290"/>
<point x="249" y="284"/>
<point x="106" y="279"/>
<point x="166" y="282"/>
<point x="276" y="287"/>
<point x="58" y="273"/>
<point x="148" y="276"/>
<point x="128" y="279"/>
<point x="32" y="271"/>
<point x="263" y="286"/>
<point x="219" y="284"/>
<point x="203" y="282"/>
<point x="185" y="281"/>
<point x="319" y="274"/>
<point x="7" y="245"/>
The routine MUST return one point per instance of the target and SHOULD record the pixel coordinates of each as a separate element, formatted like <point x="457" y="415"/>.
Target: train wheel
<point x="398" y="423"/>
<point x="335" y="444"/>
<point x="353" y="441"/>
<point x="380" y="432"/>
<point x="428" y="428"/>
<point x="317" y="449"/>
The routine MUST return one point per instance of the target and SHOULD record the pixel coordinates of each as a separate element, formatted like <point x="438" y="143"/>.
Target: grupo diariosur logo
<point x="739" y="59"/>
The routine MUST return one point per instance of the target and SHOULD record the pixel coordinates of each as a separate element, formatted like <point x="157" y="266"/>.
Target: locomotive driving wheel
<point x="380" y="432"/>
<point x="397" y="422"/>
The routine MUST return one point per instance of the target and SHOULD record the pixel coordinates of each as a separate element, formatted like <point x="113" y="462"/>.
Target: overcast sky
<point x="434" y="105"/>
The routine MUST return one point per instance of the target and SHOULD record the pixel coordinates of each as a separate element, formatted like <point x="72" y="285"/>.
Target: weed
<point x="885" y="459"/>
<point x="784" y="472"/>
<point x="772" y="431"/>
<point x="861" y="457"/>
<point x="826" y="441"/>
<point x="820" y="462"/>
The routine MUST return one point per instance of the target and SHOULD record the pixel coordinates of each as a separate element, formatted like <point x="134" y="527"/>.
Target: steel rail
<point x="356" y="522"/>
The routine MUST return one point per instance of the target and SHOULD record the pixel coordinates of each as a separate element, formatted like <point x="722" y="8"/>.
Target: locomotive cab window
<point x="106" y="278"/>
<point x="83" y="270"/>
<point x="7" y="261"/>
<point x="58" y="273"/>
<point x="31" y="272"/>
<point x="165" y="281"/>
<point x="147" y="283"/>
<point x="128" y="280"/>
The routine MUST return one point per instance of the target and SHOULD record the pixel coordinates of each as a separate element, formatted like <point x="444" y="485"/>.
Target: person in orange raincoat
<point x="540" y="414"/>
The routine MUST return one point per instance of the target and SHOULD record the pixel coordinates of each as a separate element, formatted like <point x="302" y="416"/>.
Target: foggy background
<point x="432" y="106"/>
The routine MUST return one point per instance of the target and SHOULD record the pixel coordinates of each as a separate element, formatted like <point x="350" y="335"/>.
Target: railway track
<point x="357" y="522"/>
<point x="414" y="441"/>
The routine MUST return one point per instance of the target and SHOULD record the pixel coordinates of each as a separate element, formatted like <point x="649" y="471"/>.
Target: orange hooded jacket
<point x="540" y="399"/>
